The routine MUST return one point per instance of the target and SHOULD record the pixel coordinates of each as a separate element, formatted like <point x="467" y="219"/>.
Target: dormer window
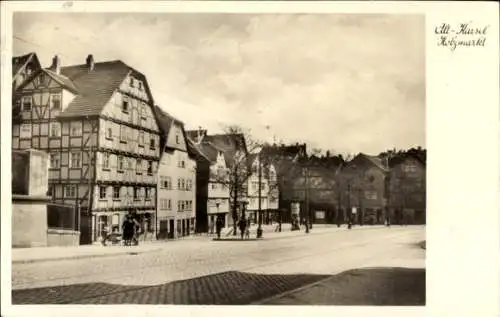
<point x="132" y="82"/>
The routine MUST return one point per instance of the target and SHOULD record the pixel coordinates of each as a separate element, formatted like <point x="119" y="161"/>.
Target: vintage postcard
<point x="267" y="158"/>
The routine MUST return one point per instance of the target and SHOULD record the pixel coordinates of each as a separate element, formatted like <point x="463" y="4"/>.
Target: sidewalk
<point x="269" y="232"/>
<point x="44" y="254"/>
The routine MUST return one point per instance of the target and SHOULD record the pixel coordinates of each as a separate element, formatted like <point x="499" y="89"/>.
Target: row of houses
<point x="371" y="189"/>
<point x="113" y="151"/>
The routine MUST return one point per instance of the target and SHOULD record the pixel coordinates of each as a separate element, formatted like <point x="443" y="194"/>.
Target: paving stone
<point x="217" y="289"/>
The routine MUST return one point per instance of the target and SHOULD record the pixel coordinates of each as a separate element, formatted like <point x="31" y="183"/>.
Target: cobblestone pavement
<point x="228" y="288"/>
<point x="216" y="272"/>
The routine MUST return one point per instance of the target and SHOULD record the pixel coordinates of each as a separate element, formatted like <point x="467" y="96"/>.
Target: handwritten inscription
<point x="461" y="35"/>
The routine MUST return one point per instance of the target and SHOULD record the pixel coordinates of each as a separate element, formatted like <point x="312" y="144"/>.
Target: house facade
<point x="96" y="121"/>
<point x="176" y="199"/>
<point x="285" y="160"/>
<point x="228" y="174"/>
<point x="363" y="189"/>
<point x="407" y="189"/>
<point x="319" y="180"/>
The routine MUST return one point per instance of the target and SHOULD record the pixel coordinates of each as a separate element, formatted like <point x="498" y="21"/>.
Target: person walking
<point x="105" y="234"/>
<point x="242" y="225"/>
<point x="127" y="230"/>
<point x="218" y="225"/>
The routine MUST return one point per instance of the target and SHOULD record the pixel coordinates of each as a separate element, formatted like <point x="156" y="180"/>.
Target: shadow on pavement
<point x="227" y="288"/>
<point x="371" y="286"/>
<point x="391" y="286"/>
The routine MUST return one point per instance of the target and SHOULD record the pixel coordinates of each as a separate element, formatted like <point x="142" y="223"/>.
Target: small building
<point x="407" y="189"/>
<point x="176" y="176"/>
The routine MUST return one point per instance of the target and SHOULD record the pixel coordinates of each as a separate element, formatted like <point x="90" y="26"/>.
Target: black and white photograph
<point x="220" y="158"/>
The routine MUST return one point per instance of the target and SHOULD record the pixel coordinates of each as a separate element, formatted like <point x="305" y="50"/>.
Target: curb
<point x="296" y="290"/>
<point x="83" y="256"/>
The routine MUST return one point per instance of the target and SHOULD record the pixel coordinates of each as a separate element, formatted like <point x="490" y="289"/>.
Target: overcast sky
<point x="348" y="83"/>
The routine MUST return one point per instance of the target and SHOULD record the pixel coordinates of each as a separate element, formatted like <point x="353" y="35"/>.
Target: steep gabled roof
<point x="95" y="88"/>
<point x="400" y="158"/>
<point x="373" y="160"/>
<point x="284" y="150"/>
<point x="193" y="149"/>
<point x="20" y="62"/>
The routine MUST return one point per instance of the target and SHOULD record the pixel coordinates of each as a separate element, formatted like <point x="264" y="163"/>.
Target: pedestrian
<point x="127" y="230"/>
<point x="219" y="226"/>
<point x="105" y="234"/>
<point x="137" y="231"/>
<point x="242" y="224"/>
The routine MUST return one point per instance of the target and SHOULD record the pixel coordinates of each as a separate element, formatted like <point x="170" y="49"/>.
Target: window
<point x="214" y="186"/>
<point x="182" y="205"/>
<point x="150" y="168"/>
<point x="102" y="192"/>
<point x="148" y="193"/>
<point x="54" y="160"/>
<point x="178" y="206"/>
<point x="50" y="191"/>
<point x="125" y="105"/>
<point x="76" y="129"/>
<point x="177" y="139"/>
<point x="76" y="160"/>
<point x="178" y="183"/>
<point x="166" y="182"/>
<point x="189" y="184"/>
<point x="123" y="134"/>
<point x="55" y="101"/>
<point x="140" y="86"/>
<point x="120" y="163"/>
<point x="136" y="193"/>
<point x="109" y="133"/>
<point x="141" y="138"/>
<point x="144" y="112"/>
<point x="132" y="82"/>
<point x="138" y="166"/>
<point x="410" y="168"/>
<point x="183" y="164"/>
<point x="116" y="192"/>
<point x="26" y="102"/>
<point x="41" y="79"/>
<point x="152" y="144"/>
<point x="183" y="184"/>
<point x="371" y="194"/>
<point x="70" y="191"/>
<point x="55" y="129"/>
<point x="25" y="132"/>
<point x="105" y="160"/>
<point x="169" y="204"/>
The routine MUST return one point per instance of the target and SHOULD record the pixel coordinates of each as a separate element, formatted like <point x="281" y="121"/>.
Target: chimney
<point x="56" y="64"/>
<point x="328" y="154"/>
<point x="198" y="139"/>
<point x="90" y="62"/>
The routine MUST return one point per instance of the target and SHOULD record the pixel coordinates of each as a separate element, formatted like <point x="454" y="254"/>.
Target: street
<point x="202" y="271"/>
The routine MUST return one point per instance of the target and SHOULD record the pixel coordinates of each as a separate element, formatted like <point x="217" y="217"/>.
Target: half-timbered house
<point x="97" y="123"/>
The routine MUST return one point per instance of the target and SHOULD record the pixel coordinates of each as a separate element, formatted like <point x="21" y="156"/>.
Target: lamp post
<point x="306" y="193"/>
